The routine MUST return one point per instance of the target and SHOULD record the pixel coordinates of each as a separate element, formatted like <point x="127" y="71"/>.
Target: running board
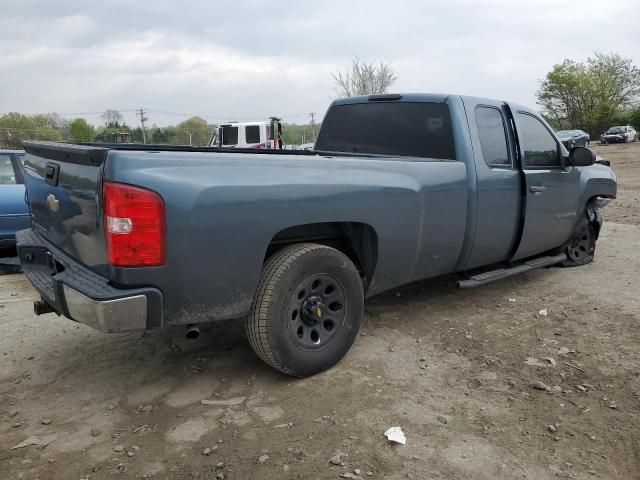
<point x="500" y="273"/>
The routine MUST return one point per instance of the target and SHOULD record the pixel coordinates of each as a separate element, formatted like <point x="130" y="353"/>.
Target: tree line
<point x="17" y="127"/>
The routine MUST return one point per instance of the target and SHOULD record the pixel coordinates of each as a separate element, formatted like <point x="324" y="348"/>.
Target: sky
<point x="248" y="60"/>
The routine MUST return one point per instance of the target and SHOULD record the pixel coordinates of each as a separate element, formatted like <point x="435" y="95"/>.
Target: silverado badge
<point x="53" y="202"/>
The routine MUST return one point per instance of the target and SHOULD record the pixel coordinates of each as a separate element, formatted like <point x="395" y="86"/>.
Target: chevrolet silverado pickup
<point x="398" y="188"/>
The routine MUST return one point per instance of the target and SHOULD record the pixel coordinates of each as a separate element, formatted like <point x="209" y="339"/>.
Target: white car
<point x="619" y="134"/>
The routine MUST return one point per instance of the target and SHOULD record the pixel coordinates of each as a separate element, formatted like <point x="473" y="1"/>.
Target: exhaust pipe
<point x="40" y="307"/>
<point x="193" y="332"/>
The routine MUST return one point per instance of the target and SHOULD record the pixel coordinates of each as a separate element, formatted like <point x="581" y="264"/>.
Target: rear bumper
<point x="79" y="293"/>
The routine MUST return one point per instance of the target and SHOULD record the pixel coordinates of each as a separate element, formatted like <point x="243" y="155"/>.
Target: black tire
<point x="300" y="285"/>
<point x="582" y="246"/>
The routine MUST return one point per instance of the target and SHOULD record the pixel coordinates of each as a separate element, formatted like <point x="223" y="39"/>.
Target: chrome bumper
<point x="70" y="288"/>
<point x="109" y="316"/>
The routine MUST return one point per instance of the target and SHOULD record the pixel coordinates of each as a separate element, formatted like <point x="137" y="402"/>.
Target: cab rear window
<point x="389" y="128"/>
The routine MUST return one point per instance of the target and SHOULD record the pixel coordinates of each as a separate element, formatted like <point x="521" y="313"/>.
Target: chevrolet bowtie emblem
<point x="53" y="203"/>
<point x="319" y="312"/>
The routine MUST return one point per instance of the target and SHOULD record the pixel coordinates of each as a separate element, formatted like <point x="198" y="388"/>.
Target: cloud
<point x="253" y="59"/>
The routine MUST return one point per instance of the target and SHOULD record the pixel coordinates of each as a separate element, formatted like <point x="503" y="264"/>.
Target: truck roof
<point x="403" y="97"/>
<point x="422" y="97"/>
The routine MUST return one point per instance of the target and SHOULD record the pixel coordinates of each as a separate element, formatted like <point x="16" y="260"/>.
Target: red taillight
<point x="134" y="222"/>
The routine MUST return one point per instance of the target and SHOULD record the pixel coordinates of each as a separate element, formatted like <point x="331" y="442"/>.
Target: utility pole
<point x="143" y="119"/>
<point x="313" y="125"/>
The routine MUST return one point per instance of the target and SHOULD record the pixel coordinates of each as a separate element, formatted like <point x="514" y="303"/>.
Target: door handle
<point x="537" y="188"/>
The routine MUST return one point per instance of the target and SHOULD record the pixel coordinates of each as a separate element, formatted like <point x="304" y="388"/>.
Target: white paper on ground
<point x="395" y="434"/>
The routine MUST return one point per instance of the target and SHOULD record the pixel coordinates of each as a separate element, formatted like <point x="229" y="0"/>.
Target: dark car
<point x="619" y="134"/>
<point x="14" y="214"/>
<point x="573" y="138"/>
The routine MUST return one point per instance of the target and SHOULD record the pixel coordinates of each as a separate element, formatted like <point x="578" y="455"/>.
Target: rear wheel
<point x="307" y="310"/>
<point x="581" y="249"/>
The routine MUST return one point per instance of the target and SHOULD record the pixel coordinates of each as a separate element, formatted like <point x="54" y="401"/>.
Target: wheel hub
<point x="317" y="311"/>
<point x="312" y="311"/>
<point x="579" y="246"/>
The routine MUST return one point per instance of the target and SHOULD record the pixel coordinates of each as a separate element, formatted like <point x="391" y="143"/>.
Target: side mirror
<point x="582" y="157"/>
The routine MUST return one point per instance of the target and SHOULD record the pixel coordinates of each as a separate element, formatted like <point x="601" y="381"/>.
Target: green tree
<point x="294" y="134"/>
<point x="160" y="135"/>
<point x="590" y="95"/>
<point x="81" y="131"/>
<point x="17" y="127"/>
<point x="634" y="119"/>
<point x="195" y="129"/>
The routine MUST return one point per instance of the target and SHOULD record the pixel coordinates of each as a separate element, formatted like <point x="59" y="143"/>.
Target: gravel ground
<point x="453" y="368"/>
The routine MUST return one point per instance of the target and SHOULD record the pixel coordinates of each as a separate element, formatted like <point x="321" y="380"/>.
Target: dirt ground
<point x="451" y="367"/>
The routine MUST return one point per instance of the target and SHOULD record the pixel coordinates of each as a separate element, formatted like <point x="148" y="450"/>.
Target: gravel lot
<point x="452" y="368"/>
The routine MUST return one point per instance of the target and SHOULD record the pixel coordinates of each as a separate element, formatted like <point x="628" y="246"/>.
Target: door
<point x="14" y="214"/>
<point x="498" y="183"/>
<point x="551" y="191"/>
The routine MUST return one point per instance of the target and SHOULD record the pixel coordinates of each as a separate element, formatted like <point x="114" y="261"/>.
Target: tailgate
<point x="64" y="184"/>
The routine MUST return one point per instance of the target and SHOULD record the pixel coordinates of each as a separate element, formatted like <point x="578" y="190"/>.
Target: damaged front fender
<point x="595" y="218"/>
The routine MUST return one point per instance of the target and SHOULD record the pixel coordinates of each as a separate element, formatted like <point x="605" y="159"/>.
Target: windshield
<point x="389" y="128"/>
<point x="616" y="130"/>
<point x="566" y="133"/>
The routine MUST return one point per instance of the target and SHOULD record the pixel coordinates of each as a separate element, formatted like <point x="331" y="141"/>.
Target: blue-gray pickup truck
<point x="398" y="188"/>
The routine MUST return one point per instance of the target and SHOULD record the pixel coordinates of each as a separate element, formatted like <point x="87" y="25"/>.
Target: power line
<point x="80" y="113"/>
<point x="215" y="118"/>
<point x="222" y="117"/>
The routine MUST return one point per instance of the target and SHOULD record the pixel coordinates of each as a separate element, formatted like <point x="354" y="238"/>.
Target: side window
<point x="493" y="140"/>
<point x="252" y="133"/>
<point x="538" y="145"/>
<point x="7" y="173"/>
<point x="229" y="135"/>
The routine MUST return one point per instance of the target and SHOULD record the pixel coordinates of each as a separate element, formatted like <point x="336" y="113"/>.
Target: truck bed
<point x="225" y="207"/>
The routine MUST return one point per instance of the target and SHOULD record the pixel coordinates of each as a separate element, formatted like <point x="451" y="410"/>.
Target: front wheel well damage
<point x="593" y="211"/>
<point x="356" y="240"/>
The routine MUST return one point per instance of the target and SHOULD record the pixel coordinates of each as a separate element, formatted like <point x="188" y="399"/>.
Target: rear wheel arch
<point x="357" y="240"/>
